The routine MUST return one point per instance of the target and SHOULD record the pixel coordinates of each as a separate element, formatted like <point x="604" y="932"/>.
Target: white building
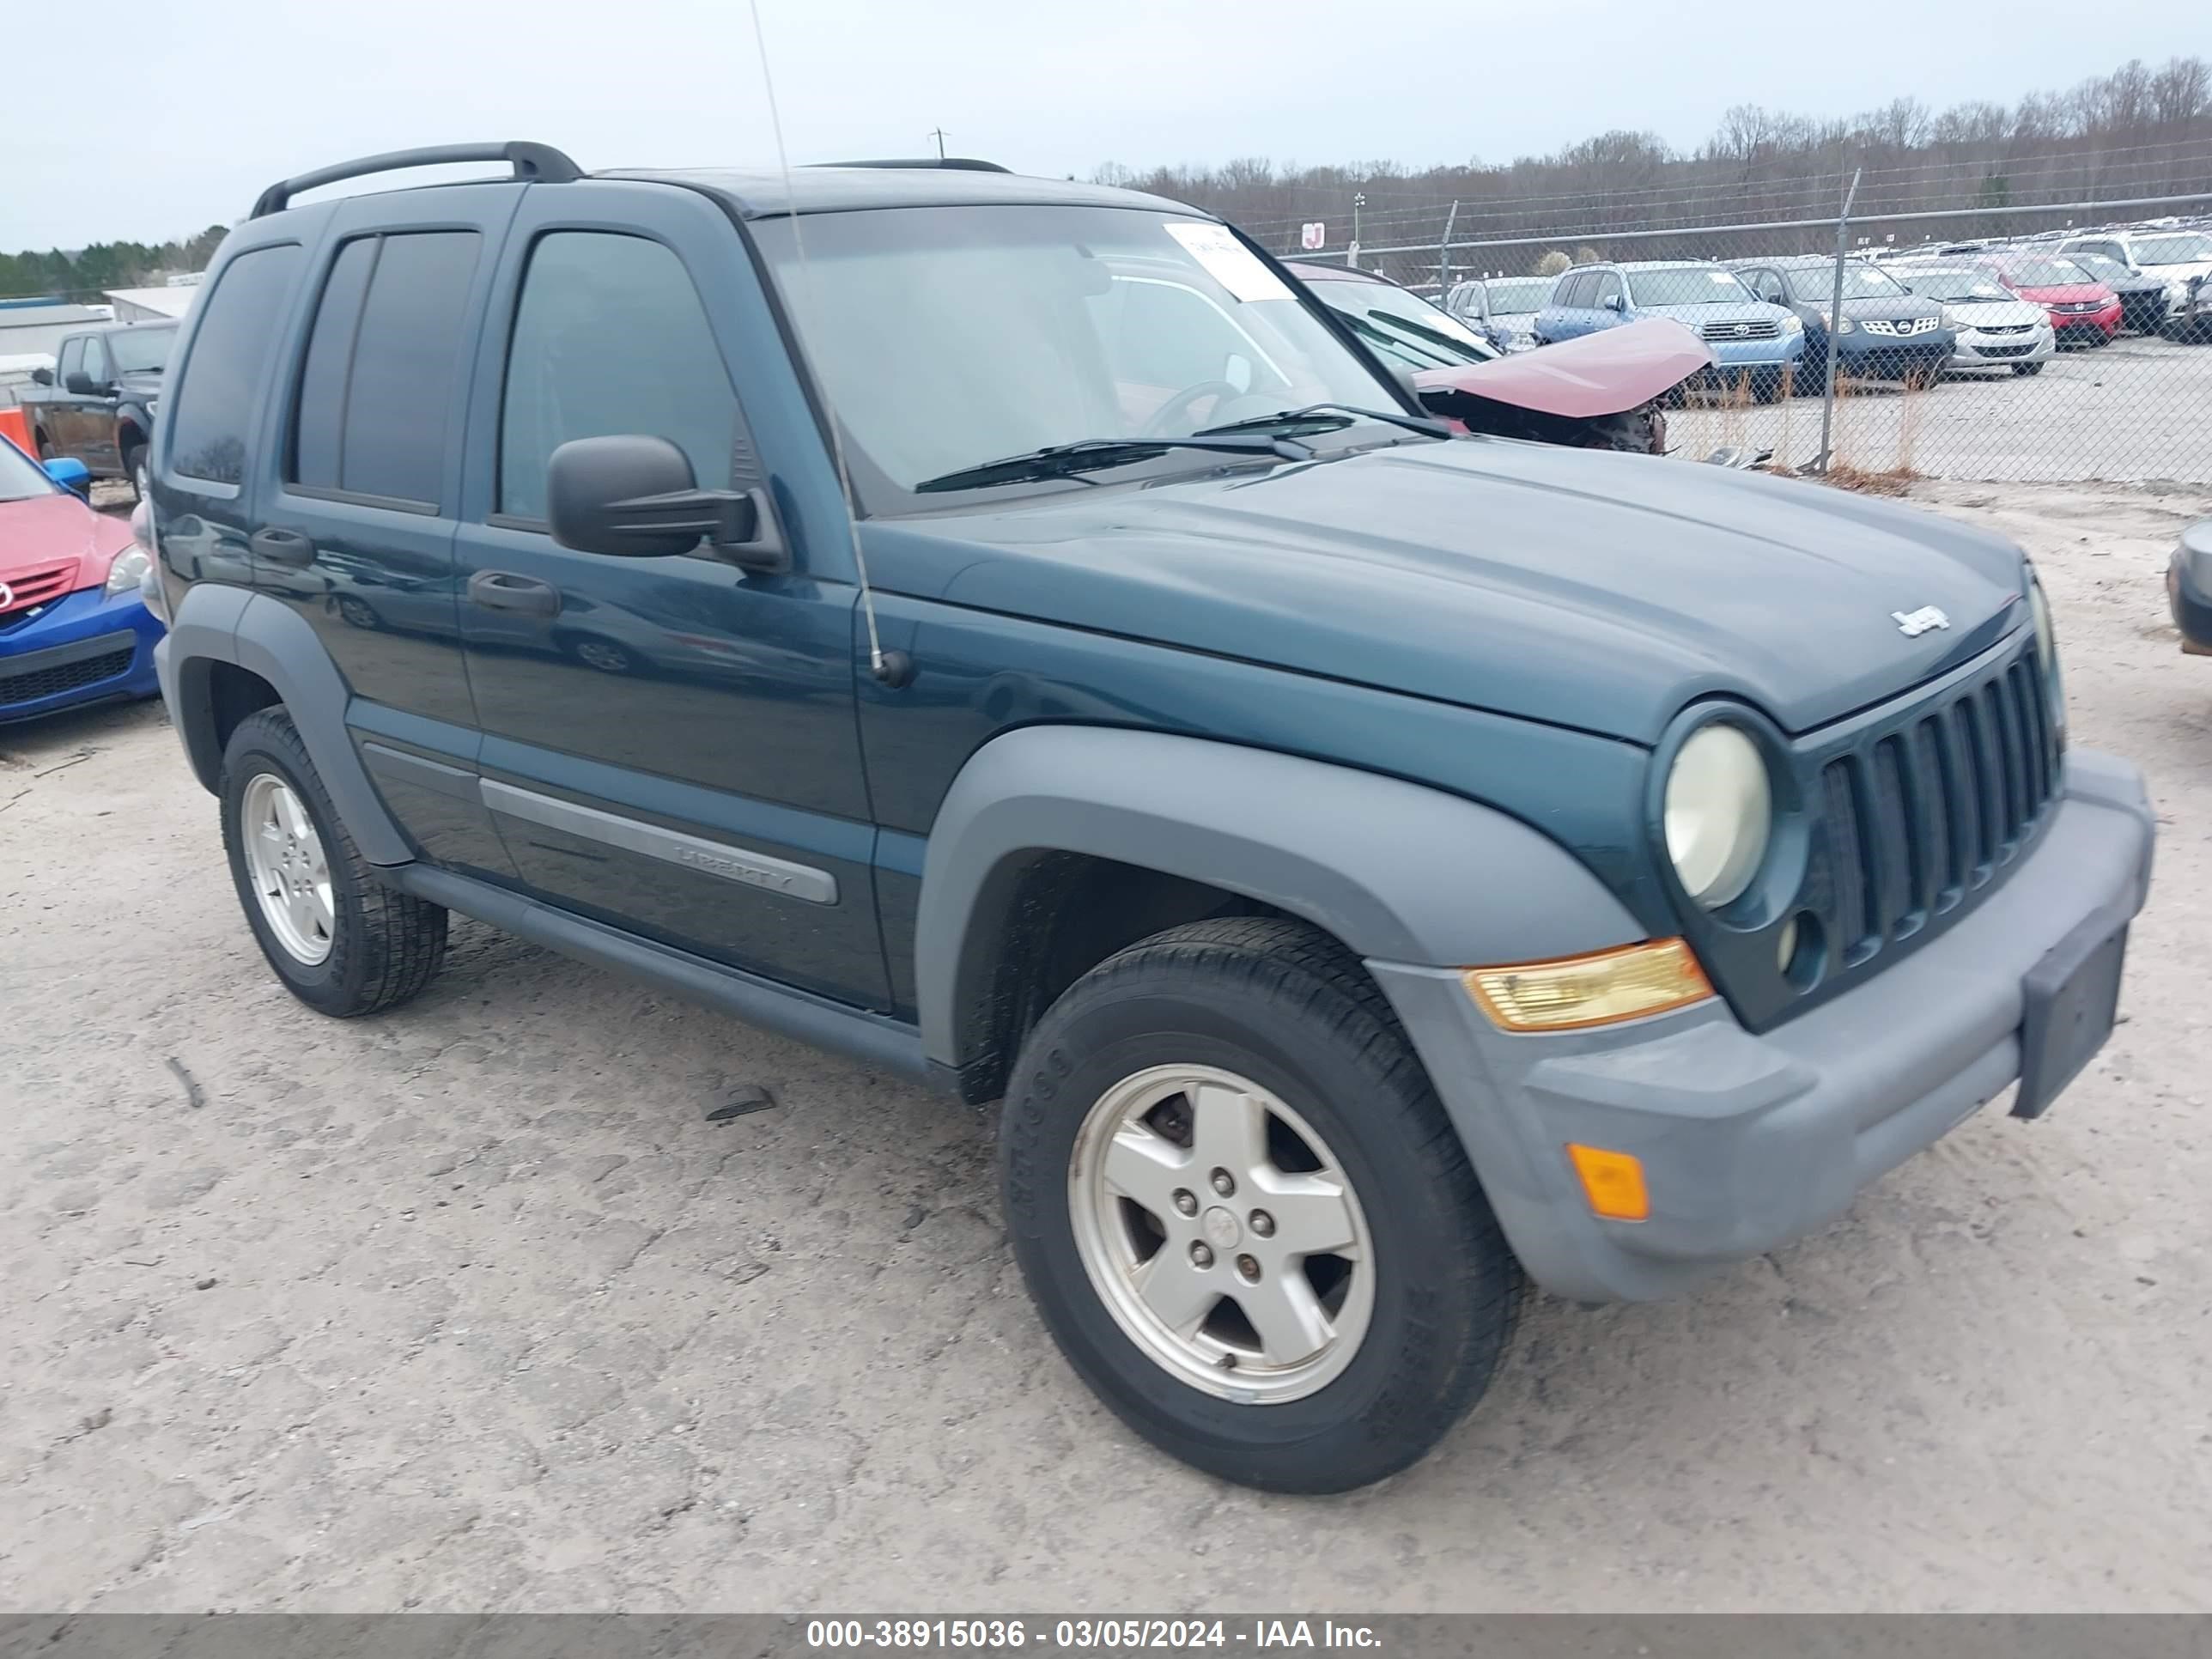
<point x="150" y="305"/>
<point x="25" y="329"/>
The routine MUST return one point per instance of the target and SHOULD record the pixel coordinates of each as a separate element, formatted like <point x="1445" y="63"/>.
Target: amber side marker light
<point x="1612" y="1181"/>
<point x="1627" y="983"/>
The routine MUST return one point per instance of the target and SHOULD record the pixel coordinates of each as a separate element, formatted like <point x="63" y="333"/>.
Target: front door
<point x="669" y="744"/>
<point x="93" y="415"/>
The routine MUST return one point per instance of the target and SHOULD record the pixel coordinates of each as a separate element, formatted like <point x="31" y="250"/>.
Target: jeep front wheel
<point x="1243" y="1214"/>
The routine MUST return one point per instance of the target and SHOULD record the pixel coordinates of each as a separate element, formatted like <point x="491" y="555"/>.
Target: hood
<point x="1998" y="311"/>
<point x="1725" y="311"/>
<point x="50" y="530"/>
<point x="2064" y="293"/>
<point x="1601" y="373"/>
<point x="1886" y="307"/>
<point x="1580" y="588"/>
<point x="2179" y="273"/>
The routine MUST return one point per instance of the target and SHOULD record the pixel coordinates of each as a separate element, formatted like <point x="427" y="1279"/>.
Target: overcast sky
<point x="177" y="120"/>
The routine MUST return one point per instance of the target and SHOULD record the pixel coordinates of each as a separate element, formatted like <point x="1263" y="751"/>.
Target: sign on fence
<point x="1313" y="234"/>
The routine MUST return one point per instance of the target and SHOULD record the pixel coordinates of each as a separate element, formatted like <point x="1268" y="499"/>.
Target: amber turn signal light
<point x="1572" y="992"/>
<point x="1612" y="1181"/>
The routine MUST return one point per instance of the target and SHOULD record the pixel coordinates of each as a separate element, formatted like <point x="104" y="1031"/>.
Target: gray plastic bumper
<point x="1748" y="1142"/>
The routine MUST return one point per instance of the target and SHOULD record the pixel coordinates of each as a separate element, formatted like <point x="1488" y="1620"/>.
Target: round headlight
<point x="2046" y="650"/>
<point x="1719" y="812"/>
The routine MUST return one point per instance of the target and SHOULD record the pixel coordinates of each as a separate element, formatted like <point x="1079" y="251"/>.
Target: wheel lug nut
<point x="1186" y="1202"/>
<point x="1224" y="1182"/>
<point x="1263" y="1223"/>
<point x="1201" y="1255"/>
<point x="1248" y="1266"/>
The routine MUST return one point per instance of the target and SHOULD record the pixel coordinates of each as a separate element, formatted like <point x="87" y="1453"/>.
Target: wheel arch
<point x="1392" y="870"/>
<point x="229" y="653"/>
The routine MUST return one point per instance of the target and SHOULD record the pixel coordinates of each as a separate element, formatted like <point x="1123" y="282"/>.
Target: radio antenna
<point x="891" y="667"/>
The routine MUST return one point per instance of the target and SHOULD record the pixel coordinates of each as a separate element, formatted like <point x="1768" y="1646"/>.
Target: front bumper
<point x="81" y="650"/>
<point x="1778" y="353"/>
<point x="1890" y="356"/>
<point x="2189" y="589"/>
<point x="1748" y="1142"/>
<point x="2076" y="324"/>
<point x="1976" y="348"/>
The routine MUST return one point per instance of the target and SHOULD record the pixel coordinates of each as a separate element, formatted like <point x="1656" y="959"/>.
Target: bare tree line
<point x="2138" y="131"/>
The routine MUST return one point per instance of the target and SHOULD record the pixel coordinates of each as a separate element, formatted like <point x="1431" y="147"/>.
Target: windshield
<point x="139" y="350"/>
<point x="22" y="479"/>
<point x="1958" y="286"/>
<point x="2099" y="269"/>
<point x="1816" y="284"/>
<point x="1403" y="328"/>
<point x="943" y="337"/>
<point x="1520" y="295"/>
<point x="2184" y="248"/>
<point x="2043" y="273"/>
<point x="1688" y="285"/>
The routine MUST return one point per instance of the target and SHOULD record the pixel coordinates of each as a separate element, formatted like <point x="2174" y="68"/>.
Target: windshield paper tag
<point x="1227" y="260"/>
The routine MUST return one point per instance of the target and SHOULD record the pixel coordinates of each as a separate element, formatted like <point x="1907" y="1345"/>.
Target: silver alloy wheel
<point x="607" y="658"/>
<point x="1222" y="1234"/>
<point x="285" y="863"/>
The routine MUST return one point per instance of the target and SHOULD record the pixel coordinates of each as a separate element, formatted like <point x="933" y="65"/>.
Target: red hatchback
<point x="2080" y="308"/>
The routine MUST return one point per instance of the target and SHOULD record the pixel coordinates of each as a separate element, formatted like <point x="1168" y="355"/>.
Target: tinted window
<point x="378" y="379"/>
<point x="95" y="361"/>
<point x="213" y="411"/>
<point x="403" y="364"/>
<point x="609" y="336"/>
<point x="72" y="360"/>
<point x="320" y="415"/>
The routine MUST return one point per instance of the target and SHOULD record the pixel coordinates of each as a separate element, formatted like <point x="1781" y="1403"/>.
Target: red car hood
<point x="2065" y="293"/>
<point x="48" y="531"/>
<point x="1601" y="373"/>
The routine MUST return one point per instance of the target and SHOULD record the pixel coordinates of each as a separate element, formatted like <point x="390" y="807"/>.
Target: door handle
<point x="282" y="546"/>
<point x="502" y="590"/>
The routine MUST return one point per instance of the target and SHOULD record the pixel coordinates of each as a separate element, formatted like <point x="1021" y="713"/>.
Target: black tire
<point x="385" y="946"/>
<point x="356" y="612"/>
<point x="1281" y="1004"/>
<point x="2026" y="369"/>
<point x="46" y="450"/>
<point x="134" y="458"/>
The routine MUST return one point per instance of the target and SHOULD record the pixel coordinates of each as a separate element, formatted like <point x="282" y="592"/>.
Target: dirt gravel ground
<point x="468" y="1308"/>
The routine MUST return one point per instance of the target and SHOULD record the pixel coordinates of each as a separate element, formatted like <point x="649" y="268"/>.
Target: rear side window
<point x="378" y="383"/>
<point x="609" y="336"/>
<point x="211" y="413"/>
<point x="1574" y="294"/>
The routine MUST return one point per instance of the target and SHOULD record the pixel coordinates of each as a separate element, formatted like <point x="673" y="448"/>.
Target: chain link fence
<point x="2060" y="341"/>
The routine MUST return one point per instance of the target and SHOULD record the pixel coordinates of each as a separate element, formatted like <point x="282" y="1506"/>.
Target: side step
<point x="875" y="1040"/>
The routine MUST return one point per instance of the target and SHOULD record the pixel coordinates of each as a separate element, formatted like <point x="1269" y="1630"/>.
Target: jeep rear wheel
<point x="1243" y="1214"/>
<point x="341" y="941"/>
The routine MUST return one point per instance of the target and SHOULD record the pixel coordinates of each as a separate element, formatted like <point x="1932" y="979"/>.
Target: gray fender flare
<point x="215" y="623"/>
<point x="1398" y="872"/>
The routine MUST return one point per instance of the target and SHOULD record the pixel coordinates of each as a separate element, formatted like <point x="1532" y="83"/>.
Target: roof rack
<point x="534" y="163"/>
<point x="949" y="163"/>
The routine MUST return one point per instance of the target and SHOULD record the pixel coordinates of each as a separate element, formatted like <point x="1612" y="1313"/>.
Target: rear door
<point x="96" y="411"/>
<point x="357" y="532"/>
<point x="669" y="744"/>
<point x="64" y="418"/>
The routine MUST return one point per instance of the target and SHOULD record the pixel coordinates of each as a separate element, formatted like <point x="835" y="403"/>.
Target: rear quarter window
<point x="210" y="415"/>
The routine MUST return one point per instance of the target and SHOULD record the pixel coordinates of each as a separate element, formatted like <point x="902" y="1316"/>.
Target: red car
<point x="2080" y="308"/>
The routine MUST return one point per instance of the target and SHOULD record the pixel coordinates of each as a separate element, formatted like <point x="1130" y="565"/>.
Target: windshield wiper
<point x="1329" y="417"/>
<point x="1091" y="454"/>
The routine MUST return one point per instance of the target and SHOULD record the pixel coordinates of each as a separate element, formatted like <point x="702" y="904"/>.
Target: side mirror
<point x="632" y="496"/>
<point x="79" y="384"/>
<point x="1614" y="302"/>
<point x="71" y="474"/>
<point x="42" y="377"/>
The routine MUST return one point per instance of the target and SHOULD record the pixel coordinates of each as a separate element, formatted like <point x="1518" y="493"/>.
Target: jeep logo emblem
<point x="1913" y="623"/>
